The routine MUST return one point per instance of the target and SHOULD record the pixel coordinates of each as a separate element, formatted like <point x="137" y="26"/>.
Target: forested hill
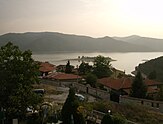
<point x="45" y="42"/>
<point x="154" y="66"/>
<point x="153" y="43"/>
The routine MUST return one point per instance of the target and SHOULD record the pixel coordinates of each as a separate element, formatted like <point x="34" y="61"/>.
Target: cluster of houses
<point x="123" y="85"/>
<point x="50" y="71"/>
<point x="119" y="83"/>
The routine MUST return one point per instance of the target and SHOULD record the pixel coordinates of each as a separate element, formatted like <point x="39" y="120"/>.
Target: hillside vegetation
<point x="153" y="65"/>
<point x="51" y="42"/>
<point x="132" y="112"/>
<point x="152" y="43"/>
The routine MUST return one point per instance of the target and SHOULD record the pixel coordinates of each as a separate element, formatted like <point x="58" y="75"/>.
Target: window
<point x="157" y="105"/>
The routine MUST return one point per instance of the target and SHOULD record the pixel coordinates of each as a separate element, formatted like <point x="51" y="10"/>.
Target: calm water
<point x="125" y="61"/>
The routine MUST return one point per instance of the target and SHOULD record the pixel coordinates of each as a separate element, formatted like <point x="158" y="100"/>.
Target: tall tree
<point x="68" y="67"/>
<point x="139" y="88"/>
<point x="107" y="119"/>
<point x="91" y="79"/>
<point x="18" y="72"/>
<point x="101" y="67"/>
<point x="69" y="111"/>
<point x="84" y="68"/>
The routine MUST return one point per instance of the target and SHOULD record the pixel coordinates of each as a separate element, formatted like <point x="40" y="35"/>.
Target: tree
<point x="138" y="89"/>
<point x="107" y="119"/>
<point x="101" y="67"/>
<point x="91" y="79"/>
<point x="69" y="111"/>
<point x="18" y="72"/>
<point x="84" y="68"/>
<point x="114" y="119"/>
<point x="68" y="67"/>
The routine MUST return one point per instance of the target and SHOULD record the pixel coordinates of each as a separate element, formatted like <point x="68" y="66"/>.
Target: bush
<point x="132" y="112"/>
<point x="91" y="79"/>
<point x="102" y="106"/>
<point x="107" y="119"/>
<point x="119" y="119"/>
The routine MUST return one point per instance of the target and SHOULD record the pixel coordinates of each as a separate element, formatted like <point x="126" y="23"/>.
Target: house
<point x="117" y="73"/>
<point x="62" y="68"/>
<point x="46" y="68"/>
<point x="123" y="85"/>
<point x="58" y="76"/>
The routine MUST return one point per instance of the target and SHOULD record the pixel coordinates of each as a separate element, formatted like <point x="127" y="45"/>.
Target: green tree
<point x="91" y="79"/>
<point x="107" y="119"/>
<point x="84" y="68"/>
<point x="101" y="67"/>
<point x="18" y="72"/>
<point x="69" y="111"/>
<point x="114" y="119"/>
<point x="68" y="67"/>
<point x="139" y="88"/>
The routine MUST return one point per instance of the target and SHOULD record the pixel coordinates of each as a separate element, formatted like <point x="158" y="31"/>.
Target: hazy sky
<point x="95" y="18"/>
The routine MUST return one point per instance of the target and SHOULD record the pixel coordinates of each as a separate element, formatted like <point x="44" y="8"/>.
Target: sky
<point x="96" y="18"/>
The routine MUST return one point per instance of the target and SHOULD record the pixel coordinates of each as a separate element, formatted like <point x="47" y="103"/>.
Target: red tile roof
<point x="149" y="90"/>
<point x="63" y="76"/>
<point x="123" y="83"/>
<point x="46" y="67"/>
<point x="152" y="82"/>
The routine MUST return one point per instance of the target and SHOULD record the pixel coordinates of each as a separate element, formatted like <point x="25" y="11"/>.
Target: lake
<point x="125" y="61"/>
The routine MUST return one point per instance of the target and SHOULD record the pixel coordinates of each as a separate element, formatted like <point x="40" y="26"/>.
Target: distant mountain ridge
<point x="152" y="43"/>
<point x="44" y="42"/>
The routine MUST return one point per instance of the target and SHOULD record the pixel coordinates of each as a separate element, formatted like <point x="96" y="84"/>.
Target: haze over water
<point x="125" y="61"/>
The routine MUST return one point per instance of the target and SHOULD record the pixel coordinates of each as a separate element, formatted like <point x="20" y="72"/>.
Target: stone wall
<point x="80" y="87"/>
<point x="57" y="82"/>
<point x="92" y="91"/>
<point x="157" y="105"/>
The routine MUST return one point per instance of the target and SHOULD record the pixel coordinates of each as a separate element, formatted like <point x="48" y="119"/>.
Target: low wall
<point x="57" y="82"/>
<point x="99" y="115"/>
<point x="157" y="105"/>
<point x="86" y="89"/>
<point x="93" y="91"/>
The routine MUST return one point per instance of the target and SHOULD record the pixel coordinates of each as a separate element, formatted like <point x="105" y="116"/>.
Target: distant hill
<point x="153" y="65"/>
<point x="152" y="43"/>
<point x="44" y="42"/>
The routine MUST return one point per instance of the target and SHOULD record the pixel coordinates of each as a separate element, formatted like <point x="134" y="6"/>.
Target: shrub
<point x="107" y="119"/>
<point x="119" y="119"/>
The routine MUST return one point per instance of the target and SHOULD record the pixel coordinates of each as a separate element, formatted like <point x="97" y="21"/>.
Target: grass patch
<point x="136" y="113"/>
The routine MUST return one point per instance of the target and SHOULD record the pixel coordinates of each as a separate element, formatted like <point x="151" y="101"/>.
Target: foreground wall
<point x="157" y="105"/>
<point x="80" y="87"/>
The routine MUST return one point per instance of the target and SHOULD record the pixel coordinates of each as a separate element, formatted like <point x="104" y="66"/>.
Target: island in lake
<point x="88" y="59"/>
